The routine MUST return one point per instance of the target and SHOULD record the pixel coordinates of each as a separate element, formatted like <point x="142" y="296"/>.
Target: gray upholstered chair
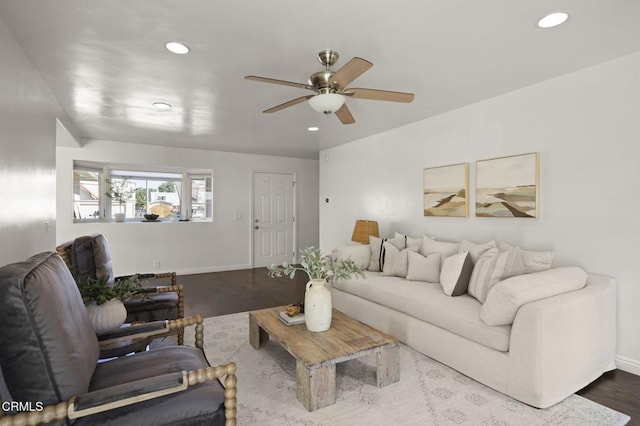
<point x="89" y="256"/>
<point x="49" y="353"/>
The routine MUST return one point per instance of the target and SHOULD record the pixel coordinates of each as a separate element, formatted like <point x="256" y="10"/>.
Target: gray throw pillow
<point x="456" y="273"/>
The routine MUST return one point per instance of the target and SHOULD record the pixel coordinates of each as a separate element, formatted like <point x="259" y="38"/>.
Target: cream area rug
<point x="428" y="393"/>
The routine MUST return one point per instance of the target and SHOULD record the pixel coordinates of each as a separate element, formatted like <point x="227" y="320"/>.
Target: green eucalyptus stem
<point x="318" y="266"/>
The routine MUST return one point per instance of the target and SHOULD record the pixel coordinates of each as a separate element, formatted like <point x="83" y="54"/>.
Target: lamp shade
<point x="363" y="230"/>
<point x="326" y="102"/>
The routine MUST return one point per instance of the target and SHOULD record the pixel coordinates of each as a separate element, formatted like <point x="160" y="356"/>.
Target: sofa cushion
<point x="395" y="260"/>
<point x="429" y="246"/>
<point x="360" y="254"/>
<point x="427" y="302"/>
<point x="491" y="268"/>
<point x="421" y="268"/>
<point x="456" y="273"/>
<point x="508" y="296"/>
<point x="534" y="261"/>
<point x="410" y="241"/>
<point x="376" y="263"/>
<point x="474" y="249"/>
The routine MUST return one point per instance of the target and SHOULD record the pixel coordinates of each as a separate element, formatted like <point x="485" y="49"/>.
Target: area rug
<point x="428" y="393"/>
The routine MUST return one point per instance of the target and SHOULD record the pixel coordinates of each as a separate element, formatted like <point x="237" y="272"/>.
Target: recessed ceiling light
<point x="313" y="129"/>
<point x="177" y="48"/>
<point x="553" y="20"/>
<point x="162" y="105"/>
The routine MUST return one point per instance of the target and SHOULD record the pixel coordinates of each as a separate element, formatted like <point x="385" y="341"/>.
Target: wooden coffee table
<point x="316" y="354"/>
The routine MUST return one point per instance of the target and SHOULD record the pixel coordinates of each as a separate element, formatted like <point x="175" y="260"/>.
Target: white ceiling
<point x="105" y="61"/>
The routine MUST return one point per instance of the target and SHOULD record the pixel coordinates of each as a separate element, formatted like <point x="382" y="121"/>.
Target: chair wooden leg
<point x="180" y="312"/>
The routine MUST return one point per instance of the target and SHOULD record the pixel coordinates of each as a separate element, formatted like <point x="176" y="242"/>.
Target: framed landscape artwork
<point x="507" y="186"/>
<point x="445" y="190"/>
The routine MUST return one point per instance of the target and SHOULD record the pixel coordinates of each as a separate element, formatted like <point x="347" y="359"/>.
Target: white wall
<point x="27" y="156"/>
<point x="188" y="247"/>
<point x="585" y="126"/>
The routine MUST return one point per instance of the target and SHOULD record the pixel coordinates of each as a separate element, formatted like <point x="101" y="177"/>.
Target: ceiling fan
<point x="331" y="88"/>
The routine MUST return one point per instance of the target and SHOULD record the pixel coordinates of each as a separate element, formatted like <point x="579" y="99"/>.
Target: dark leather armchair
<point x="49" y="353"/>
<point x="89" y="256"/>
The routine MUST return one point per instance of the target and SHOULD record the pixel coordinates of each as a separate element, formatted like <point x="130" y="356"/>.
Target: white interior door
<point x="273" y="218"/>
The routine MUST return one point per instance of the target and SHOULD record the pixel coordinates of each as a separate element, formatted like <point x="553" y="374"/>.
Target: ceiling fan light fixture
<point x="162" y="106"/>
<point x="327" y="103"/>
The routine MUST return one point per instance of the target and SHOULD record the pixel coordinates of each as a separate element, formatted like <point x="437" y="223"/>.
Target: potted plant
<point x="120" y="191"/>
<point x="319" y="268"/>
<point x="104" y="300"/>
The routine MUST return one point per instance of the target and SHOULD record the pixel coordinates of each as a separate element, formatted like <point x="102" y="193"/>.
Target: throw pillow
<point x="476" y="250"/>
<point x="410" y="241"/>
<point x="492" y="267"/>
<point x="421" y="268"/>
<point x="533" y="261"/>
<point x="455" y="275"/>
<point x="509" y="295"/>
<point x="429" y="246"/>
<point x="396" y="261"/>
<point x="360" y="254"/>
<point x="376" y="262"/>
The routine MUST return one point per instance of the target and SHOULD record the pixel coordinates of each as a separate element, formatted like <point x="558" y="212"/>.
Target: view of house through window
<point x="86" y="193"/>
<point x="171" y="195"/>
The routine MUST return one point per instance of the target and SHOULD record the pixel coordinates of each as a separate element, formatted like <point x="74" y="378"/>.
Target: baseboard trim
<point x="627" y="364"/>
<point x="207" y="269"/>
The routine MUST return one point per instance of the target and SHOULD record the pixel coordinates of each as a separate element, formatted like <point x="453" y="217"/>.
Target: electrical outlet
<point x="156" y="263"/>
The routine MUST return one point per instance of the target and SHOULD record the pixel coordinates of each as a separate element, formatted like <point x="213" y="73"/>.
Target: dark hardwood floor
<point x="222" y="293"/>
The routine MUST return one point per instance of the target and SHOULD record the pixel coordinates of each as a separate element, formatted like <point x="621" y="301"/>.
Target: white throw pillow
<point x="396" y="261"/>
<point x="534" y="261"/>
<point x="421" y="268"/>
<point x="360" y="254"/>
<point x="455" y="275"/>
<point x="429" y="246"/>
<point x="509" y="295"/>
<point x="476" y="250"/>
<point x="491" y="268"/>
<point x="376" y="262"/>
<point x="410" y="241"/>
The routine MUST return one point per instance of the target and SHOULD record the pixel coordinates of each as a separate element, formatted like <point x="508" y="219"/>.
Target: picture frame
<point x="508" y="186"/>
<point x="445" y="190"/>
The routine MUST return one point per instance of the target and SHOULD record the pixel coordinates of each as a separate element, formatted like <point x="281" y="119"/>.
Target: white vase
<point x="317" y="306"/>
<point x="119" y="217"/>
<point x="107" y="316"/>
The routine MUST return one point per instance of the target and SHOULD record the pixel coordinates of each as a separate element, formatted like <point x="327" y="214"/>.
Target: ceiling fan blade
<point x="379" y="95"/>
<point x="344" y="115"/>
<point x="288" y="104"/>
<point x="281" y="82"/>
<point x="350" y="71"/>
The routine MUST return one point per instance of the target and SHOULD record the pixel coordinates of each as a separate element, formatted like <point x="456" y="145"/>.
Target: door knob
<point x="256" y="227"/>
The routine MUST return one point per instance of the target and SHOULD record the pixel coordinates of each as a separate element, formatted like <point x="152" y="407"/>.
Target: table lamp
<point x="363" y="229"/>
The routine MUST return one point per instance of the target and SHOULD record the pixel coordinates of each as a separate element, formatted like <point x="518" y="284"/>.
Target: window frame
<point x="138" y="173"/>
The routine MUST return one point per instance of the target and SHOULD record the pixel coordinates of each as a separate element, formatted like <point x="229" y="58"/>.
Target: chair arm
<point x="152" y="329"/>
<point x="135" y="331"/>
<point x="171" y="275"/>
<point x="132" y="393"/>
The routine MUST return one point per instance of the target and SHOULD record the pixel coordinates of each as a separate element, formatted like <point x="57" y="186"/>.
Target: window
<point x="201" y="196"/>
<point x="86" y="193"/>
<point x="171" y="194"/>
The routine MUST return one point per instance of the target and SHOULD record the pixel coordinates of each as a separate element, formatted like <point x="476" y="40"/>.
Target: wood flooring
<point x="221" y="293"/>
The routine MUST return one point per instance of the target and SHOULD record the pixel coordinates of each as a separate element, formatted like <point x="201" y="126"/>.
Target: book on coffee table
<point x="294" y="320"/>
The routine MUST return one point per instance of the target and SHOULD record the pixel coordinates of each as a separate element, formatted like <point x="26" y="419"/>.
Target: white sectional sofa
<point x="553" y="330"/>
